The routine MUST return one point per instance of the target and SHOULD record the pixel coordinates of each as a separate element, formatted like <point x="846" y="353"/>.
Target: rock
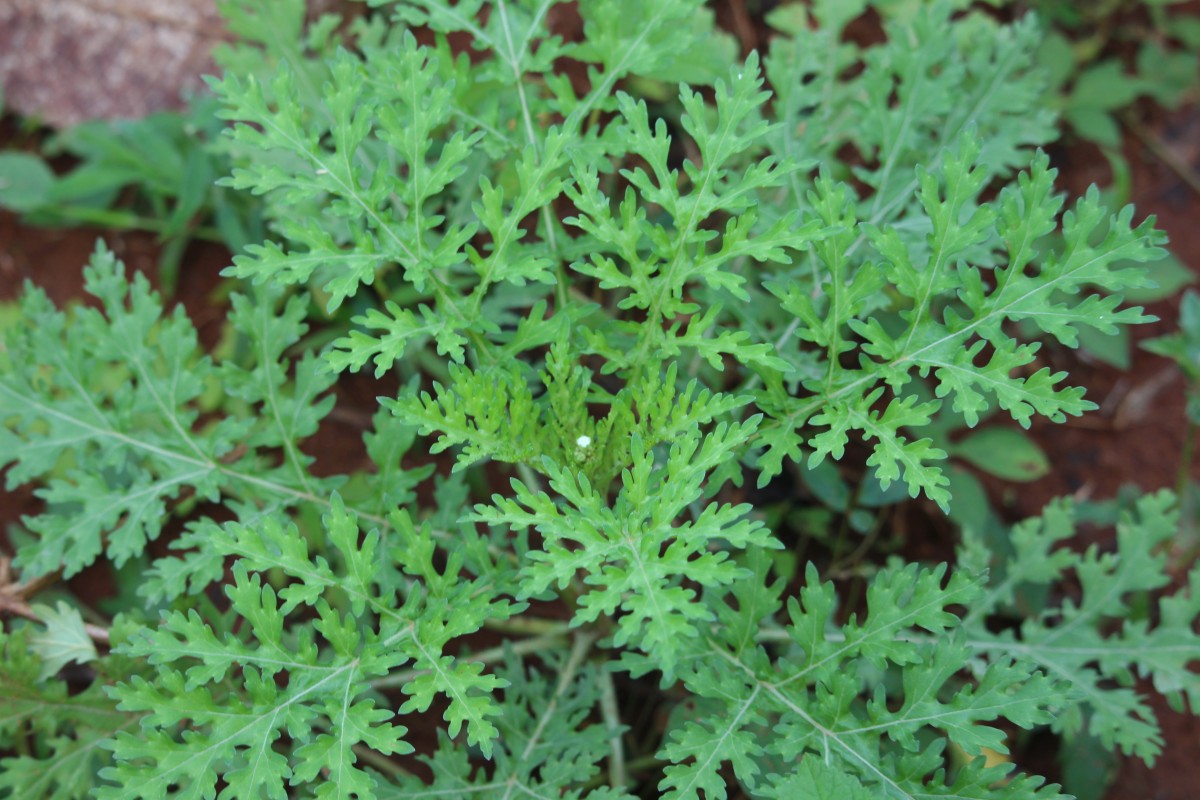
<point x="67" y="61"/>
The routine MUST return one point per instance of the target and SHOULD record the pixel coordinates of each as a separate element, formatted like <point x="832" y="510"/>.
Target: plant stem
<point x="617" y="774"/>
<point x="640" y="764"/>
<point x="529" y="477"/>
<point x="11" y="605"/>
<point x="380" y="761"/>
<point x="531" y="626"/>
<point x="124" y="220"/>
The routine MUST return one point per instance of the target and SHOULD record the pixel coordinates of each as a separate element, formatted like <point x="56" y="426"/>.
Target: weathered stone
<point x="66" y="61"/>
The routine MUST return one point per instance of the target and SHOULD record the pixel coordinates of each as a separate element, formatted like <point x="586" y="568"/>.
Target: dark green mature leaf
<point x="808" y="696"/>
<point x="954" y="315"/>
<point x="105" y="402"/>
<point x="548" y="743"/>
<point x="1074" y="642"/>
<point x="194" y="732"/>
<point x="70" y="726"/>
<point x="815" y="779"/>
<point x="658" y="260"/>
<point x="634" y="553"/>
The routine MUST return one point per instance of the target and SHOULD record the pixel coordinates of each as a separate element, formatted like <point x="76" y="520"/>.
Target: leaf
<point x="950" y="343"/>
<point x="633" y="553"/>
<point x="718" y="739"/>
<point x="818" y="781"/>
<point x="70" y="726"/>
<point x="491" y="412"/>
<point x="809" y="695"/>
<point x="318" y="693"/>
<point x="397" y="330"/>
<point x="1003" y="452"/>
<point x="550" y="746"/>
<point x="65" y="640"/>
<point x="657" y="271"/>
<point x="387" y="444"/>
<point x="894" y="456"/>
<point x="25" y="181"/>
<point x="67" y="412"/>
<point x="1073" y="641"/>
<point x="103" y="403"/>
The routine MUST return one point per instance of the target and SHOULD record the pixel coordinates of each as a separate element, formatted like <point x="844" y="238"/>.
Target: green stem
<point x="123" y="220"/>
<point x="618" y="776"/>
<point x="529" y="477"/>
<point x="640" y="764"/>
<point x="380" y="761"/>
<point x="530" y="626"/>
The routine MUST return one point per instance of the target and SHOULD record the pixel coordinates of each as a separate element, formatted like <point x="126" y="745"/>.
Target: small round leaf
<point x="24" y="181"/>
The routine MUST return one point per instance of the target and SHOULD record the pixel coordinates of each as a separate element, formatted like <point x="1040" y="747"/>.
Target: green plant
<point x="1095" y="85"/>
<point x="1183" y="347"/>
<point x="158" y="173"/>
<point x="154" y="174"/>
<point x="608" y="321"/>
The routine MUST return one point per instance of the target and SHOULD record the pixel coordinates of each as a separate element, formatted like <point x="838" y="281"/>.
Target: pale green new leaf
<point x="64" y="640"/>
<point x="490" y="412"/>
<point x="635" y="553"/>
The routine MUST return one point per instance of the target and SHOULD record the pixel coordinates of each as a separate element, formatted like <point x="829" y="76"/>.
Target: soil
<point x="1134" y="439"/>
